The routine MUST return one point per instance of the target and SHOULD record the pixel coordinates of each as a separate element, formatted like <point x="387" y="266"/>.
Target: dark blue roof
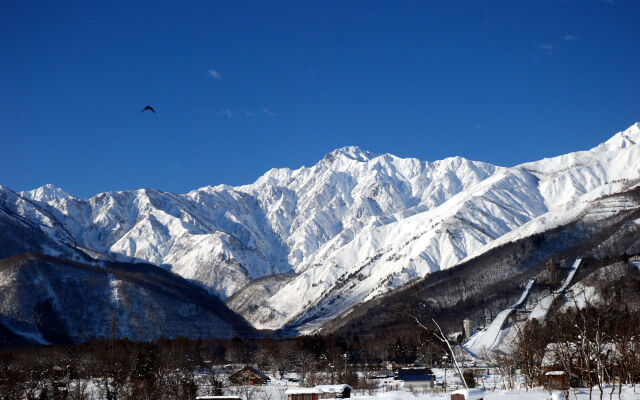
<point x="413" y="378"/>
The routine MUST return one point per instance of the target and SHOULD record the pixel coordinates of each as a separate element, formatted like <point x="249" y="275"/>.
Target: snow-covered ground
<point x="277" y="392"/>
<point x="390" y="389"/>
<point x="582" y="394"/>
<point x="492" y="385"/>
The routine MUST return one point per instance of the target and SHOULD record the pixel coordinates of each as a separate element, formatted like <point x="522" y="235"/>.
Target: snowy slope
<point x="216" y="237"/>
<point x="224" y="237"/>
<point x="39" y="301"/>
<point x="381" y="258"/>
<point x="488" y="339"/>
<point x="541" y="309"/>
<point x="352" y="226"/>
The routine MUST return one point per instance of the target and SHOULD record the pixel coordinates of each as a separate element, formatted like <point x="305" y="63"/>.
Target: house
<point x="334" y="391"/>
<point x="467" y="394"/>
<point x="416" y="378"/>
<point x="303" y="394"/>
<point x="556" y="380"/>
<point x="248" y="376"/>
<point x="320" y="392"/>
<point x="218" y="398"/>
<point x="292" y="379"/>
<point x="555" y="354"/>
<point x="383" y="374"/>
<point x="555" y="377"/>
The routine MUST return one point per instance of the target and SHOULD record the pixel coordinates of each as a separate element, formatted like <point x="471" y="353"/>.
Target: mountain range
<point x="297" y="248"/>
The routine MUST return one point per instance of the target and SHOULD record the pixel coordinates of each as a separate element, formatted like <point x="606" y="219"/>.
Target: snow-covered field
<point x="389" y="389"/>
<point x="276" y="392"/>
<point x="582" y="394"/>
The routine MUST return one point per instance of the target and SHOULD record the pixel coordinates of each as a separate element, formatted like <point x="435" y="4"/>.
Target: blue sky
<point x="241" y="87"/>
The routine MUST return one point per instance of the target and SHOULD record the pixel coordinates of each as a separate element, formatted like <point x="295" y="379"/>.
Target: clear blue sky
<point x="241" y="87"/>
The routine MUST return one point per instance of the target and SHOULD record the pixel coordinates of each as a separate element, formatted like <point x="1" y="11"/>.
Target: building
<point x="416" y="378"/>
<point x="467" y="394"/>
<point x="555" y="377"/>
<point x="383" y="374"/>
<point x="466" y="324"/>
<point x="303" y="394"/>
<point x="218" y="398"/>
<point x="320" y="392"/>
<point x="334" y="391"/>
<point x="556" y="380"/>
<point x="248" y="376"/>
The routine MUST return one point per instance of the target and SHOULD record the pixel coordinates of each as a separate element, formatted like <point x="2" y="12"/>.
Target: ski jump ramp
<point x="490" y="338"/>
<point x="541" y="309"/>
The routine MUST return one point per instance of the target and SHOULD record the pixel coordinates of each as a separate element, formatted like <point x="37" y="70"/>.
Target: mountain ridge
<point x="39" y="302"/>
<point x="352" y="226"/>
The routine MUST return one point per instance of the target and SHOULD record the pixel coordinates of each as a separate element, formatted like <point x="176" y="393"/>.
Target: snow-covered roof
<point x="333" y="388"/>
<point x="554" y="373"/>
<point x="553" y="353"/>
<point x="303" y="391"/>
<point x="320" y="389"/>
<point x="383" y="373"/>
<point x="470" y="394"/>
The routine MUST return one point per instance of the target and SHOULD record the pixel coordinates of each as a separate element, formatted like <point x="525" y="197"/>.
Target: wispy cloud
<point x="480" y="127"/>
<point x="248" y="113"/>
<point x="225" y="112"/>
<point x="546" y="46"/>
<point x="269" y="112"/>
<point x="570" y="38"/>
<point x="214" y="74"/>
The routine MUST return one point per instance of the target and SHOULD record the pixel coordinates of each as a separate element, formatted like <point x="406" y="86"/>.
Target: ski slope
<point x="490" y="337"/>
<point x="541" y="309"/>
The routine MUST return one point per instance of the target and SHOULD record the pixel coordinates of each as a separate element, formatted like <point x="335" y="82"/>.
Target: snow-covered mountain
<point x="382" y="257"/>
<point x="224" y="237"/>
<point x="351" y="227"/>
<point x="39" y="303"/>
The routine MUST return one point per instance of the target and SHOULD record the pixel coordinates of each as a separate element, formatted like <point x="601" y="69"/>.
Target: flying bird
<point x="148" y="108"/>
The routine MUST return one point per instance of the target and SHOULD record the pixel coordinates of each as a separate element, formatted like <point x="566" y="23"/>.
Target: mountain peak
<point x="46" y="193"/>
<point x="633" y="132"/>
<point x="350" y="152"/>
<point x="622" y="139"/>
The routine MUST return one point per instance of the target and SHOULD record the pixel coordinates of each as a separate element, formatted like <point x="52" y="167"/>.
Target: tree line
<point x="182" y="368"/>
